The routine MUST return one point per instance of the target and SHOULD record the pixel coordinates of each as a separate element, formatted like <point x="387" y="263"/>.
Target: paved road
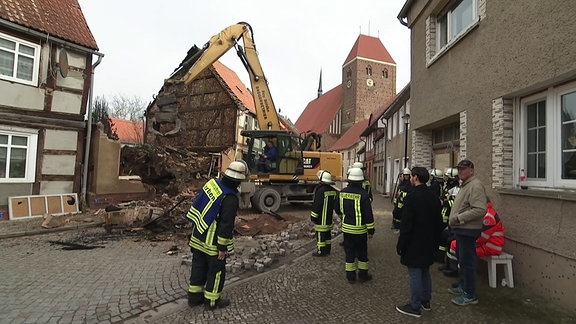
<point x="131" y="280"/>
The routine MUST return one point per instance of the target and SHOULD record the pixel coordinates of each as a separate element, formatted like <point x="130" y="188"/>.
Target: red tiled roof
<point x="60" y="18"/>
<point x="236" y="86"/>
<point x="351" y="137"/>
<point x="320" y="112"/>
<point x="369" y="47"/>
<point x="128" y="131"/>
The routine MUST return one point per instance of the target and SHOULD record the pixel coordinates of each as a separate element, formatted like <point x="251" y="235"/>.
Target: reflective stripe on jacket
<point x="206" y="206"/>
<point x="354" y="204"/>
<point x="322" y="211"/>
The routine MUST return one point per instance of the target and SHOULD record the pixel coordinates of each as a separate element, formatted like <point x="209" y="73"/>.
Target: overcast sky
<point x="144" y="41"/>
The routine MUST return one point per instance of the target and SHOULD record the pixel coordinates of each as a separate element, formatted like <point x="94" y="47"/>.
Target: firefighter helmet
<point x="325" y="177"/>
<point x="436" y="173"/>
<point x="358" y="165"/>
<point x="355" y="175"/>
<point x="451" y="172"/>
<point x="236" y="170"/>
<point x="406" y="171"/>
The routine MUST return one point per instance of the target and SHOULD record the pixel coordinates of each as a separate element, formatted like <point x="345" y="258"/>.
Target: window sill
<point x="448" y="46"/>
<point x="569" y="195"/>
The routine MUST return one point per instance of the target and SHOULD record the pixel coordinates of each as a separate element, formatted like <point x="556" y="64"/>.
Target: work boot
<point x="316" y="254"/>
<point x="220" y="303"/>
<point x="364" y="278"/>
<point x="195" y="299"/>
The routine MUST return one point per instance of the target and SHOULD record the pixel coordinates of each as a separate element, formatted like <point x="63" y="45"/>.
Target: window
<point x="17" y="156"/>
<point x="369" y="70"/>
<point x="454" y="21"/>
<point x="385" y="73"/>
<point x="548" y="145"/>
<point x="19" y="60"/>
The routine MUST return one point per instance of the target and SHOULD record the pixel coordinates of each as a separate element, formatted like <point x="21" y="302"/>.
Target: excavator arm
<point x="217" y="46"/>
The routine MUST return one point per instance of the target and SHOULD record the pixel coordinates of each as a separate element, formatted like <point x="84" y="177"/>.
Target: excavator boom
<point x="221" y="43"/>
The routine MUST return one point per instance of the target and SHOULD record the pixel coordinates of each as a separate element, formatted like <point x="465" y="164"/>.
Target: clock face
<point x="348" y="84"/>
<point x="370" y="82"/>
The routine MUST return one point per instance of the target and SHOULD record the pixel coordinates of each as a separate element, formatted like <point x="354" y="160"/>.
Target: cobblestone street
<point x="132" y="280"/>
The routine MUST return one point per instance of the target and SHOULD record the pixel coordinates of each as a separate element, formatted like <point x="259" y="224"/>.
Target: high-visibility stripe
<point x="213" y="295"/>
<point x="498" y="234"/>
<point x="493" y="246"/>
<point x="362" y="265"/>
<point x="351" y="266"/>
<point x="195" y="289"/>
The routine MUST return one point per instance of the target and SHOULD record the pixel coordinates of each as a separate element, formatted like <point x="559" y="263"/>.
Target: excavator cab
<point x="274" y="155"/>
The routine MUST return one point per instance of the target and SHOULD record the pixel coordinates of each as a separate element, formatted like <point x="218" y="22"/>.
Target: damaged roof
<point x="60" y="18"/>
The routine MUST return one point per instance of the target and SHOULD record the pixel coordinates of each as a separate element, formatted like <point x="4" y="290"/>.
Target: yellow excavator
<point x="291" y="174"/>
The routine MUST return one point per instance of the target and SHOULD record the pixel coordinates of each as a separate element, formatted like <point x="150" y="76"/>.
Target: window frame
<point x="35" y="63"/>
<point x="31" y="153"/>
<point x="449" y="14"/>
<point x="553" y="151"/>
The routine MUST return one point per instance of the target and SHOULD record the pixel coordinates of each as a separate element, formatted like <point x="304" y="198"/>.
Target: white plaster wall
<point x="61" y="140"/>
<point x="66" y="102"/>
<point x="55" y="187"/>
<point x="58" y="164"/>
<point x="21" y="96"/>
<point x="74" y="79"/>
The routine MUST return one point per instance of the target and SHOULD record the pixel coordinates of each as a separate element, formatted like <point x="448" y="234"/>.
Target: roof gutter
<point x="404" y="12"/>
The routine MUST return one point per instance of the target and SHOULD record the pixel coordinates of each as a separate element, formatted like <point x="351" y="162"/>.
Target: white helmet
<point x="358" y="165"/>
<point x="355" y="174"/>
<point x="236" y="170"/>
<point x="325" y="177"/>
<point x="436" y="173"/>
<point x="451" y="172"/>
<point x="406" y="171"/>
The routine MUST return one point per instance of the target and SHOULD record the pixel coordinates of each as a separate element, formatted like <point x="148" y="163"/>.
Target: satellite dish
<point x="63" y="63"/>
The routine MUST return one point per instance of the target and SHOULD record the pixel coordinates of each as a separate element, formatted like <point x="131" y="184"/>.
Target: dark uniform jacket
<point x="420" y="228"/>
<point x="354" y="205"/>
<point x="218" y="235"/>
<point x="323" y="207"/>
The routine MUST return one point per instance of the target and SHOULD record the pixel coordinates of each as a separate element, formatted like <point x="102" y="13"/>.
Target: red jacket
<point x="491" y="241"/>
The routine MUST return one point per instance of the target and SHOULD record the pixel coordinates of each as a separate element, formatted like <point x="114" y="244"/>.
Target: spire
<point x="320" y="84"/>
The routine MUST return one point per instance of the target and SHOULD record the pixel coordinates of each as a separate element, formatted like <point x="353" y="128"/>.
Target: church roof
<point x="320" y="112"/>
<point x="368" y="47"/>
<point x="351" y="137"/>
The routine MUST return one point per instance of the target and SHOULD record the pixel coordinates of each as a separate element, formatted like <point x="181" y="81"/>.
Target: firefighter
<point x="354" y="207"/>
<point x="450" y="190"/>
<point x="322" y="212"/>
<point x="403" y="188"/>
<point x="213" y="213"/>
<point x="436" y="182"/>
<point x="366" y="183"/>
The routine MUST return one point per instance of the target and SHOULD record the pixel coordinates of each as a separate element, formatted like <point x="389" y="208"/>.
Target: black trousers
<point x="207" y="276"/>
<point x="323" y="242"/>
<point x="356" y="249"/>
<point x="396" y="215"/>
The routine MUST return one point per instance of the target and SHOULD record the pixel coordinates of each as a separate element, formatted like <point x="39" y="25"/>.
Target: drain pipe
<point x="84" y="193"/>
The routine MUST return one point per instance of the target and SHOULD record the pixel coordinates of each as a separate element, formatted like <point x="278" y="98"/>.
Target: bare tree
<point x="100" y="113"/>
<point x="129" y="108"/>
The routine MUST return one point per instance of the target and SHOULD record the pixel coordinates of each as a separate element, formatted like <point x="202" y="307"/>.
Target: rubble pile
<point x="170" y="171"/>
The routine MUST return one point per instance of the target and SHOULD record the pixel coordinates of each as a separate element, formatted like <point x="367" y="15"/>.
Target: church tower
<point x="368" y="79"/>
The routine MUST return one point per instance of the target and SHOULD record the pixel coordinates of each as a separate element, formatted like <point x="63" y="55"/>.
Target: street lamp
<point x="406" y="118"/>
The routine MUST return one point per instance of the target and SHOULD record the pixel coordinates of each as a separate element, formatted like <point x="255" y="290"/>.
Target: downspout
<point x="83" y="194"/>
